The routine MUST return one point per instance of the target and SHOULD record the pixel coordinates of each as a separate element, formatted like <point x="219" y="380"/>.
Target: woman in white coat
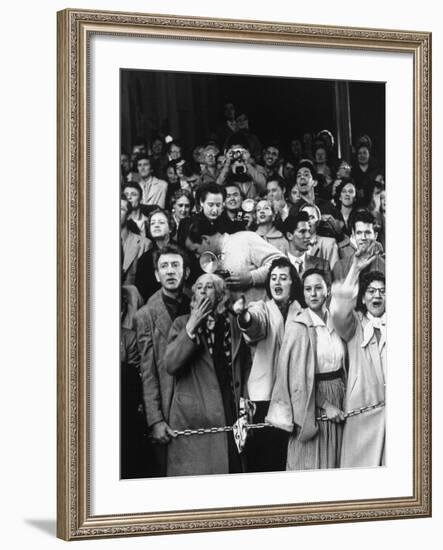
<point x="307" y="400"/>
<point x="358" y="310"/>
<point x="262" y="324"/>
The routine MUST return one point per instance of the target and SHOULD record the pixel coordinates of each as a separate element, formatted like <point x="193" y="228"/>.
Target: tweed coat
<point x="325" y="248"/>
<point x="197" y="400"/>
<point x="152" y="324"/>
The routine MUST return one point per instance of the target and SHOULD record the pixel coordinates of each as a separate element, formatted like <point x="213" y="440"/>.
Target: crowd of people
<point x="251" y="273"/>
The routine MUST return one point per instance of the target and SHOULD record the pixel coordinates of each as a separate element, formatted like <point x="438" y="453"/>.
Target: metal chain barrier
<point x="202" y="431"/>
<point x="355" y="412"/>
<point x="322" y="418"/>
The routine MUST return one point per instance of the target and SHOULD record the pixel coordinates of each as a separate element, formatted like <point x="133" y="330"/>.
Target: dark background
<point x="189" y="106"/>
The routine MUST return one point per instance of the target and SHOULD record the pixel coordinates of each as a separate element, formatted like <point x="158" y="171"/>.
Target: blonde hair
<point x="221" y="291"/>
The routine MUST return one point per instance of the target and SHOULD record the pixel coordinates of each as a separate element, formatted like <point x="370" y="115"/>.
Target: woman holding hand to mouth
<point x="262" y="324"/>
<point x="310" y="382"/>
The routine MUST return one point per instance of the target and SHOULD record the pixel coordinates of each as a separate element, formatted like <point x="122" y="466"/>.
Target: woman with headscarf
<point x="208" y="360"/>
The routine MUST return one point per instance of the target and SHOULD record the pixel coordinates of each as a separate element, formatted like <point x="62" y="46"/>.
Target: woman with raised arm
<point x="307" y="400"/>
<point x="358" y="312"/>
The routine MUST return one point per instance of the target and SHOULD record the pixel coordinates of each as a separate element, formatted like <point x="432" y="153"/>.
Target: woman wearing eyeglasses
<point x="358" y="311"/>
<point x="310" y="382"/>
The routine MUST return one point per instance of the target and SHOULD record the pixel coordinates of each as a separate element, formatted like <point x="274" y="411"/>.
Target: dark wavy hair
<point x="296" y="287"/>
<point x="361" y="215"/>
<point x="199" y="226"/>
<point x="314" y="271"/>
<point x="307" y="163"/>
<point x="133" y="185"/>
<point x="170" y="249"/>
<point x="292" y="221"/>
<point x="339" y="189"/>
<point x="168" y="216"/>
<point x="214" y="188"/>
<point x="279" y="181"/>
<point x="365" y="280"/>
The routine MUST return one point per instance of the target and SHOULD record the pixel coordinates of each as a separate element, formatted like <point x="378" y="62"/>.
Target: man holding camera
<point x="240" y="163"/>
<point x="243" y="257"/>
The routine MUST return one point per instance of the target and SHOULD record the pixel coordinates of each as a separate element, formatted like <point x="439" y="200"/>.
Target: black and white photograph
<point x="253" y="295"/>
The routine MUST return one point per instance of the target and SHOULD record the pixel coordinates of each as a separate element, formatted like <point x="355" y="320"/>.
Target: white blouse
<point x="330" y="352"/>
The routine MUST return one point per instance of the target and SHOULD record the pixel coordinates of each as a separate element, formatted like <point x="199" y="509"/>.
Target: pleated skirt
<point x="323" y="450"/>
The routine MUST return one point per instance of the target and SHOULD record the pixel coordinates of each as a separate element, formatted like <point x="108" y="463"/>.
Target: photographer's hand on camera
<point x="221" y="178"/>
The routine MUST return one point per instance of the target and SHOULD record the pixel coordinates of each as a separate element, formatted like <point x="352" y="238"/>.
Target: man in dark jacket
<point x="152" y="323"/>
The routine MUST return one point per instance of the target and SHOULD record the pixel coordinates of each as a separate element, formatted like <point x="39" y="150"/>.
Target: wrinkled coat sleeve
<point x="148" y="369"/>
<point x="258" y="327"/>
<point x="342" y="306"/>
<point x="262" y="254"/>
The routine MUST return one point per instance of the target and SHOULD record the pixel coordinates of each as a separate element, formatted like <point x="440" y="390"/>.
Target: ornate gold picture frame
<point x="75" y="517"/>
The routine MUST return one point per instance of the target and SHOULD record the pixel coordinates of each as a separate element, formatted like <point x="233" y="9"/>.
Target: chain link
<point x="260" y="425"/>
<point x="202" y="431"/>
<point x="355" y="412"/>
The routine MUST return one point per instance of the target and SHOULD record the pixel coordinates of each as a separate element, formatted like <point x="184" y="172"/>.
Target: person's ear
<point x="187" y="272"/>
<point x="315" y="183"/>
<point x="289" y="235"/>
<point x="157" y="278"/>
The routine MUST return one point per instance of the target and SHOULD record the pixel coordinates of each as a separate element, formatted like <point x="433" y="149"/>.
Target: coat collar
<point x="304" y="318"/>
<point x="131" y="248"/>
<point x="317" y="321"/>
<point x="163" y="321"/>
<point x="368" y="330"/>
<point x="273" y="233"/>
